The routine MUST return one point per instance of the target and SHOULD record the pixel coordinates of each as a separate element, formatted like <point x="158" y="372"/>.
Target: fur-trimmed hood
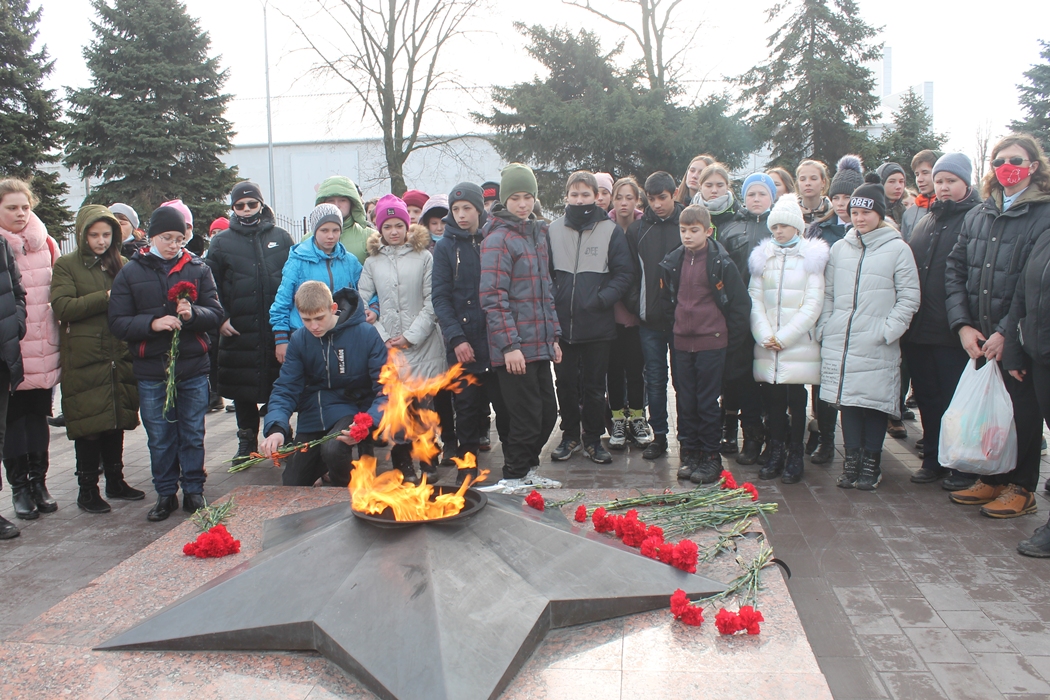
<point x="418" y="239"/>
<point x="813" y="251"/>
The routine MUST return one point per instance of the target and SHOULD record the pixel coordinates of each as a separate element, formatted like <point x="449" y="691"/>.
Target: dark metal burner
<point x="474" y="501"/>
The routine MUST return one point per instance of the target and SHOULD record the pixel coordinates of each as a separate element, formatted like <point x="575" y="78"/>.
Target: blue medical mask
<point x="790" y="243"/>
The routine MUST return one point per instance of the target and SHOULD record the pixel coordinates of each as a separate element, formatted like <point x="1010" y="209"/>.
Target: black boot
<point x="655" y="449"/>
<point x="89" y="456"/>
<point x="112" y="444"/>
<point x="18" y="478"/>
<point x="38" y="464"/>
<point x="850" y="469"/>
<point x="690" y="461"/>
<point x="166" y="505"/>
<point x="827" y="417"/>
<point x="8" y="530"/>
<point x="814" y="437"/>
<point x="247" y="442"/>
<point x="763" y="456"/>
<point x="729" y="444"/>
<point x="753" y="437"/>
<point x="825" y="451"/>
<point x="774" y="465"/>
<point x="401" y="459"/>
<point x="794" y="464"/>
<point x="870" y="471"/>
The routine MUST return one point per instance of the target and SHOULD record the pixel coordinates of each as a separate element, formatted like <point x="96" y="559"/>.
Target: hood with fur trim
<point x="418" y="239"/>
<point x="813" y="251"/>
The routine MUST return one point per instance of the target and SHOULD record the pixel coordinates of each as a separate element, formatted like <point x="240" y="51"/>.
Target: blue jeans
<point x="655" y="345"/>
<point x="179" y="443"/>
<point x="863" y="428"/>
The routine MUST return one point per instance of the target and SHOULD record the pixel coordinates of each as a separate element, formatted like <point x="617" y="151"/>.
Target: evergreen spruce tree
<point x="151" y="126"/>
<point x="1035" y="100"/>
<point x="29" y="114"/>
<point x="911" y="132"/>
<point x="815" y="93"/>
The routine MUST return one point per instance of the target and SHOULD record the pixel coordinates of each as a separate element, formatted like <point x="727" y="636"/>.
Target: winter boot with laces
<point x="870" y="471"/>
<point x="753" y="437"/>
<point x="850" y="469"/>
<point x="774" y="465"/>
<point x="690" y="461"/>
<point x="794" y="465"/>
<point x="247" y="442"/>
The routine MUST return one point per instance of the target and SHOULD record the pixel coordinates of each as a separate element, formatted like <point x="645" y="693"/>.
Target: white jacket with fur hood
<point x="400" y="277"/>
<point x="787" y="295"/>
<point x="871" y="291"/>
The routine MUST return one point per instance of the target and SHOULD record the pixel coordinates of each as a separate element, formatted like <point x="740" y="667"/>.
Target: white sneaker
<point x="509" y="486"/>
<point x="534" y="480"/>
<point x="641" y="431"/>
<point x="619" y="434"/>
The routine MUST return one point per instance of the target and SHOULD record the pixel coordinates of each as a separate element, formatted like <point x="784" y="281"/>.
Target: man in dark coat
<point x="246" y="261"/>
<point x="12" y="330"/>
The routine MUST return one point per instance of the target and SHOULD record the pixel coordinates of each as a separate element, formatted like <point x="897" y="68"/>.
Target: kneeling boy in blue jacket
<point x="330" y="374"/>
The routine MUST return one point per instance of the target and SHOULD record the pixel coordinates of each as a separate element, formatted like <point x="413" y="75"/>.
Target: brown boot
<point x="1013" y="502"/>
<point x="977" y="495"/>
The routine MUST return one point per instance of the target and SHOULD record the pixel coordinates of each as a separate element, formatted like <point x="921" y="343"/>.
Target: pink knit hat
<point x="183" y="209"/>
<point x="391" y="207"/>
<point x="605" y="180"/>
<point x="416" y="198"/>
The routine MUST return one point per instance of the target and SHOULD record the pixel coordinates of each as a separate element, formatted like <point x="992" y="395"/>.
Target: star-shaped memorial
<point x="430" y="612"/>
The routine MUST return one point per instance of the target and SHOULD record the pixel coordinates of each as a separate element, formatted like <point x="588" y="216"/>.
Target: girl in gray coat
<point x="871" y="291"/>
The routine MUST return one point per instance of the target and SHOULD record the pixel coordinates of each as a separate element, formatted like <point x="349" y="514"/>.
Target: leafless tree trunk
<point x="389" y="55"/>
<point x="984" y="140"/>
<point x="651" y="35"/>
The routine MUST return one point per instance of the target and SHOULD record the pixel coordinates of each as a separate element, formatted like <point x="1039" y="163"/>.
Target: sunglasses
<point x="1016" y="160"/>
<point x="245" y="206"/>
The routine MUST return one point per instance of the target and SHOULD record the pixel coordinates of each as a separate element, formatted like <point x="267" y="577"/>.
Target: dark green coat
<point x="99" y="392"/>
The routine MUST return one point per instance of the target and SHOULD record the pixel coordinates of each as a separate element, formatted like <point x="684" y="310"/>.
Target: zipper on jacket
<point x="331" y="279"/>
<point x="780" y="302"/>
<point x="572" y="295"/>
<point x="849" y="323"/>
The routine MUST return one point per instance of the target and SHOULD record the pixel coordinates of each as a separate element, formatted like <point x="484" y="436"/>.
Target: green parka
<point x="356" y="227"/>
<point x="99" y="392"/>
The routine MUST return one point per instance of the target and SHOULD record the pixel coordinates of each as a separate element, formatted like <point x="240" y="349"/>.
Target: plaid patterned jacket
<point x="516" y="290"/>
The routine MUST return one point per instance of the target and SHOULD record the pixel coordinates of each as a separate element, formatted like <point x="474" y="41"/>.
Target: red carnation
<point x="693" y="615"/>
<point x="750" y="488"/>
<point x="655" y="531"/>
<point x="749" y="619"/>
<point x="728" y="481"/>
<point x="183" y="290"/>
<point x="535" y="500"/>
<point x="665" y="552"/>
<point x="727" y="622"/>
<point x="651" y="545"/>
<point x="581" y="514"/>
<point x="685" y="556"/>
<point x="679" y="602"/>
<point x="683" y="610"/>
<point x="363" y="419"/>
<point x="216" y="542"/>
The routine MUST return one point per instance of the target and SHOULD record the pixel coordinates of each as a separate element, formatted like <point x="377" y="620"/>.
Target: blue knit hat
<point x="759" y="179"/>
<point x="958" y="164"/>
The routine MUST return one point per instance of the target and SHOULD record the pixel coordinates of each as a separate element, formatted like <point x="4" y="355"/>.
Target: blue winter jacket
<point x="328" y="378"/>
<point x="456" y="293"/>
<point x="308" y="262"/>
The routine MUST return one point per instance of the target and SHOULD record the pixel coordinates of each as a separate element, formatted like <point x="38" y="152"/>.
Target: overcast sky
<point x="975" y="57"/>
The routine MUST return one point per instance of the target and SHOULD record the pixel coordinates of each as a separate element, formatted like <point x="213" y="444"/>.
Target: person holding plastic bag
<point x="977" y="434"/>
<point x="981" y="277"/>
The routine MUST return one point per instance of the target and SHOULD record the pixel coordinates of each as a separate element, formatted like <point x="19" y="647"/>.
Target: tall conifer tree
<point x="1035" y="99"/>
<point x="814" y="95"/>
<point x="152" y="124"/>
<point x="30" y="131"/>
<point x="911" y="132"/>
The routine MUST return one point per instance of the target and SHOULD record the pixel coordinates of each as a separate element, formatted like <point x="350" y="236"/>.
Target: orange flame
<point x="404" y="420"/>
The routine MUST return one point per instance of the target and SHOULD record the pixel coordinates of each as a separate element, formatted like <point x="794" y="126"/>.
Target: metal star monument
<point x="430" y="612"/>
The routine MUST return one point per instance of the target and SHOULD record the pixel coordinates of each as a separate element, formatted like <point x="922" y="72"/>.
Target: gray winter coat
<point x="401" y="278"/>
<point x="871" y="291"/>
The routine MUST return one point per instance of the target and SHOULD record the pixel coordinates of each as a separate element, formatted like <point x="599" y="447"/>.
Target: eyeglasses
<point x="245" y="206"/>
<point x="170" y="240"/>
<point x="1016" y="160"/>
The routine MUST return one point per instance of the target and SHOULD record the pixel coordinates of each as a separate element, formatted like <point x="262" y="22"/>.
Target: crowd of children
<point x="837" y="283"/>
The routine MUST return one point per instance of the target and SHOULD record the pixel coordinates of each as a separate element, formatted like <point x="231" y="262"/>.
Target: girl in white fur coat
<point x="787" y="295"/>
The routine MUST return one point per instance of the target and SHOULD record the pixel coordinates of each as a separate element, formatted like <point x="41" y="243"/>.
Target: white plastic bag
<point x="977" y="431"/>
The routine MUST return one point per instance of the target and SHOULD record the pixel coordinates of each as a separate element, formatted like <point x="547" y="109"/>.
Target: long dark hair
<point x="112" y="260"/>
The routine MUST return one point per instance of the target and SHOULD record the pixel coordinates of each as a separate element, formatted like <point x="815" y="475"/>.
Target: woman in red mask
<point x="981" y="278"/>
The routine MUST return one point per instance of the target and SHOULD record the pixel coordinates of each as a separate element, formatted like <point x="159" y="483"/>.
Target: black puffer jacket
<point x="731" y="297"/>
<point x="740" y="237"/>
<point x="1029" y="332"/>
<point x="456" y="293"/>
<point x="988" y="258"/>
<point x="140" y="295"/>
<point x="591" y="269"/>
<point x="829" y="230"/>
<point x="12" y="314"/>
<point x="247" y="263"/>
<point x="932" y="239"/>
<point x="649" y="240"/>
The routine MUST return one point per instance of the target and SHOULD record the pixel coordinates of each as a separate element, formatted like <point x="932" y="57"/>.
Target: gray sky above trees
<point x="987" y="48"/>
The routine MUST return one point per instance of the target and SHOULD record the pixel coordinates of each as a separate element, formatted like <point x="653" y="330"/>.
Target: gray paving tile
<point x="1011" y="673"/>
<point x="913" y="686"/>
<point x="964" y="681"/>
<point x="937" y="645"/>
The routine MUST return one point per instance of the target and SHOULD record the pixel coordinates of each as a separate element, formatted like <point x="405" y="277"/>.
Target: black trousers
<point x="742" y="395"/>
<point x="1029" y="423"/>
<point x="533" y="410"/>
<point x="334" y="457"/>
<point x="935" y="374"/>
<point x="5" y="397"/>
<point x="248" y="414"/>
<point x="779" y="400"/>
<point x="699" y="380"/>
<point x="625" y="380"/>
<point x="446" y="414"/>
<point x="472" y="412"/>
<point x="582" y="369"/>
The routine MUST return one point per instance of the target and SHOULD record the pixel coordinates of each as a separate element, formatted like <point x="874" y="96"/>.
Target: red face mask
<point x="1009" y="175"/>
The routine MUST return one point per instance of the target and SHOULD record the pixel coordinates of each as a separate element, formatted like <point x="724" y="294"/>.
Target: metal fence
<point x="296" y="228"/>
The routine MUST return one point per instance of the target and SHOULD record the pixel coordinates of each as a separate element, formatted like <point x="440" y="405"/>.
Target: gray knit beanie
<point x="323" y="214"/>
<point x="849" y="175"/>
<point x="958" y="164"/>
<point x="467" y="192"/>
<point x="127" y="212"/>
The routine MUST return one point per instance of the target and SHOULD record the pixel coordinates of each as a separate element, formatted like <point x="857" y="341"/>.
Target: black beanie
<point x="166" y="219"/>
<point x="467" y="192"/>
<point x="870" y="195"/>
<point x="245" y="189"/>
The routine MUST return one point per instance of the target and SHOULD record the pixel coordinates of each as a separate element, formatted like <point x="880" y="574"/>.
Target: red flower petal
<point x="581" y="514"/>
<point x="749" y="619"/>
<point x="685" y="556"/>
<point x="535" y="500"/>
<point x="728" y="481"/>
<point x="216" y="542"/>
<point x="750" y="488"/>
<point x="363" y="419"/>
<point x="693" y="615"/>
<point x="727" y="622"/>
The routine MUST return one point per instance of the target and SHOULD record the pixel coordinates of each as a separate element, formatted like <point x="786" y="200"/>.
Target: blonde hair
<point x="785" y="177"/>
<point x="14" y="185"/>
<point x="313" y="296"/>
<point x="712" y="170"/>
<point x="682" y="195"/>
<point x="630" y="182"/>
<point x="823" y="169"/>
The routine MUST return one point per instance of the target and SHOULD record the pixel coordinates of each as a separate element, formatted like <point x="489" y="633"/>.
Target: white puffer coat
<point x="787" y="296"/>
<point x="400" y="277"/>
<point x="871" y="291"/>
